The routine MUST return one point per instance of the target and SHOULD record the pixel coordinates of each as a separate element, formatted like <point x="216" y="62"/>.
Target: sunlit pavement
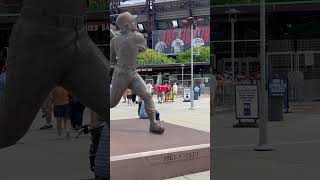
<point x="40" y="156"/>
<point x="176" y="112"/>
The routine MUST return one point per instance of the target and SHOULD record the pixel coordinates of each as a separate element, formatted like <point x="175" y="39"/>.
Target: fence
<point x="302" y="68"/>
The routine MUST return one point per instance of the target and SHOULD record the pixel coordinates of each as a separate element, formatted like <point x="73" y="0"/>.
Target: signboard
<point x="176" y="41"/>
<point x="247" y="102"/>
<point x="186" y="94"/>
<point x="144" y="70"/>
<point x="279" y="87"/>
<point x="95" y="26"/>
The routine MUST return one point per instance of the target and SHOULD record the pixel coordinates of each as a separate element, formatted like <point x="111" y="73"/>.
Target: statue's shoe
<point x="156" y="128"/>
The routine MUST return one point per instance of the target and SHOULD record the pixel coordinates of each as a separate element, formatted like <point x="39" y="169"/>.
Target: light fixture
<point x="141" y="27"/>
<point x="175" y="23"/>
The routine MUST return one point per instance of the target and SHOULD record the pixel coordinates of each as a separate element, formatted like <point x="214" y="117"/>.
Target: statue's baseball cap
<point x="124" y="19"/>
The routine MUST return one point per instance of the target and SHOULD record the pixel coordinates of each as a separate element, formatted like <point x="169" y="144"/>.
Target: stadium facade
<point x="158" y="18"/>
<point x="96" y="18"/>
<point x="293" y="40"/>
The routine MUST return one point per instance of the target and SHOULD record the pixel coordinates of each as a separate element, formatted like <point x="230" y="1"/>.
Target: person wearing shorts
<point x="61" y="110"/>
<point x="47" y="112"/>
<point x="129" y="96"/>
<point x="160" y="93"/>
<point x="134" y="98"/>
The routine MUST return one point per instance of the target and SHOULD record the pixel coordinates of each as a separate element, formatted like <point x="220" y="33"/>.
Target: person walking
<point x="150" y="88"/>
<point x="124" y="96"/>
<point x="133" y="98"/>
<point x="197" y="90"/>
<point x="2" y="80"/>
<point x="61" y="108"/>
<point x="77" y="109"/>
<point x="160" y="93"/>
<point x="175" y="89"/>
<point x="129" y="96"/>
<point x="47" y="113"/>
<point x="219" y="91"/>
<point x="142" y="112"/>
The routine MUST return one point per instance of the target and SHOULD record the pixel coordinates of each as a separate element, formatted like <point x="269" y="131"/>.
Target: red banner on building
<point x="176" y="41"/>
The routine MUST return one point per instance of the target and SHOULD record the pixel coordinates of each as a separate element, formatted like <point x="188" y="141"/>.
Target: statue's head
<point x="126" y="21"/>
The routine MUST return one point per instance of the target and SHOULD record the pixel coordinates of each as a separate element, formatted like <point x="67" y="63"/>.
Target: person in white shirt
<point x="150" y="88"/>
<point x="175" y="89"/>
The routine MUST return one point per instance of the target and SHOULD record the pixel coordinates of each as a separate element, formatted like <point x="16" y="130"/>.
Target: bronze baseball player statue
<point x="49" y="46"/>
<point x="124" y="49"/>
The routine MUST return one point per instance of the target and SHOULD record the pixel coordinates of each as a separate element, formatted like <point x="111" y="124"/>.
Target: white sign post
<point x="186" y="94"/>
<point x="247" y="103"/>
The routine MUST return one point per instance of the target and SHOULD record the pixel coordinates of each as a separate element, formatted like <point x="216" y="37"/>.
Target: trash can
<point x="275" y="108"/>
<point x="196" y="96"/>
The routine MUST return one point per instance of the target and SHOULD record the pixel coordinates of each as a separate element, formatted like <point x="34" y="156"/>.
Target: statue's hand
<point x="142" y="48"/>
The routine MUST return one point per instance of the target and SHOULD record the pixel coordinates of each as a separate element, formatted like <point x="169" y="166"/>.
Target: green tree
<point x="98" y="5"/>
<point x="245" y="1"/>
<point x="203" y="57"/>
<point x="151" y="56"/>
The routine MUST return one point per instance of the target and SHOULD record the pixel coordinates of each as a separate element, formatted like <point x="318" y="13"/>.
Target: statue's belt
<point x="43" y="16"/>
<point x="124" y="67"/>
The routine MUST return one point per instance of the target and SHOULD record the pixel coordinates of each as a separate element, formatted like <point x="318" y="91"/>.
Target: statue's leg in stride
<point x="67" y="58"/>
<point x="31" y="74"/>
<point x="140" y="88"/>
<point x="102" y="158"/>
<point x="88" y="77"/>
<point x="120" y="82"/>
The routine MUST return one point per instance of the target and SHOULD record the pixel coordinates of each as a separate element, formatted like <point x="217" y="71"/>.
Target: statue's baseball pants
<point x="124" y="78"/>
<point x="42" y="54"/>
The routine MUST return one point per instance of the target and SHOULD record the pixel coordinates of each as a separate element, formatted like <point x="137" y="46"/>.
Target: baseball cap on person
<point x="124" y="19"/>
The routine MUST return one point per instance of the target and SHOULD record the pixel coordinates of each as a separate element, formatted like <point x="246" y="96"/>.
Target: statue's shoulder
<point x="138" y="37"/>
<point x="115" y="38"/>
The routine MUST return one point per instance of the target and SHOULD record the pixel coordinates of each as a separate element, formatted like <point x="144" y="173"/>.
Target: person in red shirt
<point x="160" y="91"/>
<point x="167" y="89"/>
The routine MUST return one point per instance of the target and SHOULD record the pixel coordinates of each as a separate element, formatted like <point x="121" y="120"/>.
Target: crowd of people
<point x="220" y="80"/>
<point x="238" y="77"/>
<point x="164" y="92"/>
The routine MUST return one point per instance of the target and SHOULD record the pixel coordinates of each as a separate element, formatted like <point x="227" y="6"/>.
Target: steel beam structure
<point x="151" y="20"/>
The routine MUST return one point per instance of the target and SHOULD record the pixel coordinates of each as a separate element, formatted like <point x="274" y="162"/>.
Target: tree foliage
<point x="151" y="56"/>
<point x="245" y="1"/>
<point x="203" y="57"/>
<point x="98" y="5"/>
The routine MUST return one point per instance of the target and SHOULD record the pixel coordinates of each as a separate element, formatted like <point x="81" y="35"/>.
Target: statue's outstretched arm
<point x="141" y="42"/>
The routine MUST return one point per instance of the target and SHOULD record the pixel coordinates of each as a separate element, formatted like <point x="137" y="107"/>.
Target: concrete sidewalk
<point x="40" y="156"/>
<point x="296" y="141"/>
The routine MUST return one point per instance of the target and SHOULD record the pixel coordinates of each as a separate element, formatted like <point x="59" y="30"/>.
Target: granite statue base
<point x="137" y="154"/>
